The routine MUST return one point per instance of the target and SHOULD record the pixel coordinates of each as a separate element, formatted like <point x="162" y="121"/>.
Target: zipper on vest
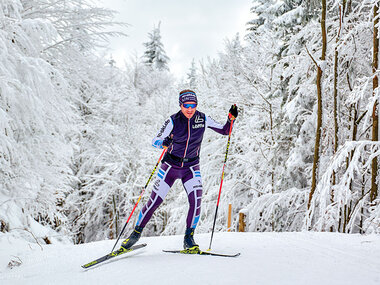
<point x="188" y="138"/>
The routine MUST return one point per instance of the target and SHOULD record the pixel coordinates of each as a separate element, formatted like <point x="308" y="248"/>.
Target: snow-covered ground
<point x="266" y="258"/>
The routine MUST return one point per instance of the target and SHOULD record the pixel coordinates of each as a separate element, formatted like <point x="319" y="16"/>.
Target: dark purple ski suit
<point x="181" y="162"/>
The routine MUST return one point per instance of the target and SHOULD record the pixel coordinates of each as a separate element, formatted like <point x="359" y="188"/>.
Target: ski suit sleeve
<point x="163" y="133"/>
<point x="217" y="127"/>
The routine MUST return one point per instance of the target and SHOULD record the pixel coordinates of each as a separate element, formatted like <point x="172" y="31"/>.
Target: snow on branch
<point x="352" y="162"/>
<point x="282" y="211"/>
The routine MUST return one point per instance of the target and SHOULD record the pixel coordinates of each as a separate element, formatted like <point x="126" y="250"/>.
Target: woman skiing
<point x="182" y="135"/>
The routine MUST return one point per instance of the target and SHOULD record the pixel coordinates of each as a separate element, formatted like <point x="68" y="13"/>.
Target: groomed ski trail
<point x="266" y="258"/>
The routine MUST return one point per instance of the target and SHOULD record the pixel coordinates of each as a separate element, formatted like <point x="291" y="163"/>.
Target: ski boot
<point x="133" y="238"/>
<point x="188" y="242"/>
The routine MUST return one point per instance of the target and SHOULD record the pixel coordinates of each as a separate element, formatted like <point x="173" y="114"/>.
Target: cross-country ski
<point x="113" y="254"/>
<point x="201" y="252"/>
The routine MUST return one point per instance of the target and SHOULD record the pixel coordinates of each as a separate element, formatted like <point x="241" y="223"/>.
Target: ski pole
<point x="141" y="194"/>
<point x="221" y="183"/>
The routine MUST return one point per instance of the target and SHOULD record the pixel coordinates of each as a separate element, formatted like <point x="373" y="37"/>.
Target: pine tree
<point x="192" y="75"/>
<point x="281" y="16"/>
<point x="155" y="55"/>
<point x="263" y="15"/>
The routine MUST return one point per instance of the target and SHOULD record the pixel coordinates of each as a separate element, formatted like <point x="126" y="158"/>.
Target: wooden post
<point x="229" y="217"/>
<point x="242" y="221"/>
<point x="111" y="226"/>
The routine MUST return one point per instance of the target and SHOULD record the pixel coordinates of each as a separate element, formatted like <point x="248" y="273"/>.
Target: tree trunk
<point x="349" y="6"/>
<point x="319" y="94"/>
<point x="375" y="118"/>
<point x="336" y="59"/>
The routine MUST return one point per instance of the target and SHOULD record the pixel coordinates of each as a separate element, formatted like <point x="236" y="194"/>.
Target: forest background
<point x="76" y="131"/>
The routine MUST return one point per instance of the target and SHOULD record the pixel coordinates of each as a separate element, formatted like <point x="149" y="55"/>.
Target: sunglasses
<point x="189" y="105"/>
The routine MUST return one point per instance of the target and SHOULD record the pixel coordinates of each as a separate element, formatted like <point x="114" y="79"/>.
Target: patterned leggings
<point x="167" y="175"/>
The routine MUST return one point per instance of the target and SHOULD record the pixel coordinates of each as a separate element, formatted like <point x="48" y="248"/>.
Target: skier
<point x="182" y="135"/>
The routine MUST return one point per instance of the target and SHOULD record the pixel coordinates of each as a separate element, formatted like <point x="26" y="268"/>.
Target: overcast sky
<point x="189" y="29"/>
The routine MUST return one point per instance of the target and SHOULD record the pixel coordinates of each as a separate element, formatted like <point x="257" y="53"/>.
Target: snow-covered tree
<point x="155" y="54"/>
<point x="282" y="17"/>
<point x="192" y="76"/>
<point x="37" y="125"/>
<point x="344" y="203"/>
<point x="47" y="84"/>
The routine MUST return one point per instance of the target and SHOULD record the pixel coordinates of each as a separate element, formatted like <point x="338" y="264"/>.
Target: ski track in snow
<point x="266" y="258"/>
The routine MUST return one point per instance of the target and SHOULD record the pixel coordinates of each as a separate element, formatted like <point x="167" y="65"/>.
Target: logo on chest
<point x="199" y="123"/>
